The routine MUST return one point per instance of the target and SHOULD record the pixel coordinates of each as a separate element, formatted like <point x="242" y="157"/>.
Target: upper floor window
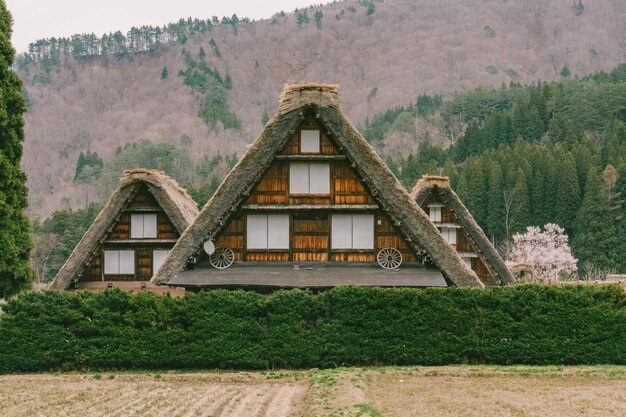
<point x="434" y="212"/>
<point x="309" y="141"/>
<point x="449" y="234"/>
<point x="119" y="262"/>
<point x="143" y="226"/>
<point x="309" y="178"/>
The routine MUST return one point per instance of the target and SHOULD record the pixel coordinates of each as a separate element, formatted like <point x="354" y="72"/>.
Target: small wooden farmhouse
<point x="311" y="204"/>
<point x="131" y="236"/>
<point x="444" y="208"/>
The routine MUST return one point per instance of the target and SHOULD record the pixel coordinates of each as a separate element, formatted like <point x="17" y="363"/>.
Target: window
<point x="158" y="256"/>
<point x="449" y="234"/>
<point x="310" y="141"/>
<point x="119" y="262"/>
<point x="353" y="231"/>
<point x="309" y="178"/>
<point x="468" y="262"/>
<point x="267" y="231"/>
<point x="434" y="212"/>
<point x="143" y="226"/>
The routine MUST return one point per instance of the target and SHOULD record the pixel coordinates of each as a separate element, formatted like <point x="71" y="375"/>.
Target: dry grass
<point x="389" y="392"/>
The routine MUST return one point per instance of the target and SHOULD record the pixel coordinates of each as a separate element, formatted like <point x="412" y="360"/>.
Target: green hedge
<point x="298" y="329"/>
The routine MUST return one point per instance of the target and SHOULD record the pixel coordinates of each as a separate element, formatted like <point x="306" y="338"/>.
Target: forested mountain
<point x="208" y="85"/>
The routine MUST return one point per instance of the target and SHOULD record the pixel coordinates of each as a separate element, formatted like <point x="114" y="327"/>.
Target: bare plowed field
<point x="180" y="395"/>
<point x="389" y="392"/>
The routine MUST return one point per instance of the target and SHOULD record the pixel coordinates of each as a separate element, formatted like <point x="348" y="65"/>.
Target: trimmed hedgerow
<point x="298" y="329"/>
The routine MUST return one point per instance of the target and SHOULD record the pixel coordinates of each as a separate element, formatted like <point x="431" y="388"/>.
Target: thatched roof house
<point x="449" y="214"/>
<point x="144" y="215"/>
<point x="264" y="183"/>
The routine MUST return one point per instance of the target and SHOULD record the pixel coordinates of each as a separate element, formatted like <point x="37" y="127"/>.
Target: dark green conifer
<point x="596" y="238"/>
<point x="15" y="243"/>
<point x="567" y="193"/>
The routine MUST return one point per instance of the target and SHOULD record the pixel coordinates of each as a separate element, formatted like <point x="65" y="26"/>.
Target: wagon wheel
<point x="222" y="258"/>
<point x="389" y="258"/>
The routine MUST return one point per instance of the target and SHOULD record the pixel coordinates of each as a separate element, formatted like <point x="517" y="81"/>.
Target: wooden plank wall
<point x="143" y="202"/>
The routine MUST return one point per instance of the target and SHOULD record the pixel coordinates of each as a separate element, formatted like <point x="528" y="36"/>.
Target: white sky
<point x="36" y="19"/>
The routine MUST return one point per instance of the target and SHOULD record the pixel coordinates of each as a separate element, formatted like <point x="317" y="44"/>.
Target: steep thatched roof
<point x="320" y="102"/>
<point x="429" y="184"/>
<point x="177" y="204"/>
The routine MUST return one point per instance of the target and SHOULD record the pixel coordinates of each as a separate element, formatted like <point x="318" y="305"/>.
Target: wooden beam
<point x="139" y="241"/>
<point x="337" y="207"/>
<point x="310" y="157"/>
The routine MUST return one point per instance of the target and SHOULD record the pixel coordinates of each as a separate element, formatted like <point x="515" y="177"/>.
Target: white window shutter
<point x="278" y="231"/>
<point x="256" y="231"/>
<point x="363" y="231"/>
<point x="111" y="262"/>
<point x="127" y="262"/>
<point x="341" y="231"/>
<point x="298" y="178"/>
<point x="149" y="225"/>
<point x="158" y="256"/>
<point x="449" y="233"/>
<point x="310" y="141"/>
<point x="319" y="178"/>
<point x="435" y="213"/>
<point x="136" y="226"/>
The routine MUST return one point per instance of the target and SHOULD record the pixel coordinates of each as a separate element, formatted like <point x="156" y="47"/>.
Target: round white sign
<point x="209" y="247"/>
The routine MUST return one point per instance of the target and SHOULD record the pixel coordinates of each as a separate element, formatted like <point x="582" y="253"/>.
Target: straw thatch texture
<point x="320" y="102"/>
<point x="483" y="247"/>
<point x="177" y="204"/>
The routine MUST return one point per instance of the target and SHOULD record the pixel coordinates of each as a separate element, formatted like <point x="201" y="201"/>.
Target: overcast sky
<point x="36" y="19"/>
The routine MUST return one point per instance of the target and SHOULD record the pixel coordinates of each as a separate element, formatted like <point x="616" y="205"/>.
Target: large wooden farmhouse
<point x="131" y="236"/>
<point x="458" y="227"/>
<point x="311" y="204"/>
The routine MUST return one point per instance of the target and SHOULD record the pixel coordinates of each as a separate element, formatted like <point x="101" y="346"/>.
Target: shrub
<point x="524" y="324"/>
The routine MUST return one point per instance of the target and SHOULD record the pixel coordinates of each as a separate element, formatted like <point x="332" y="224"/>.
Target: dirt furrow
<point x="205" y="395"/>
<point x="286" y="402"/>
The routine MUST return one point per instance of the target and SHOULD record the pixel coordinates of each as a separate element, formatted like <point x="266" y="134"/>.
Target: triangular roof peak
<point x="320" y="101"/>
<point x="428" y="181"/>
<point x="173" y="199"/>
<point x="295" y="96"/>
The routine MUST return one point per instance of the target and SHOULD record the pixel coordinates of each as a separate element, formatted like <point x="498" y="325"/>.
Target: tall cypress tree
<point x="596" y="238"/>
<point x="15" y="243"/>
<point x="567" y="194"/>
<point x="495" y="210"/>
<point x="520" y="207"/>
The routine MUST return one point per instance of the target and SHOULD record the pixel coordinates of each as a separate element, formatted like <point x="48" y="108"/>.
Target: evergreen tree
<point x="619" y="214"/>
<point x="318" y="18"/>
<point x="596" y="240"/>
<point x="164" y="73"/>
<point x="15" y="242"/>
<point x="567" y="194"/>
<point x="475" y="195"/>
<point x="519" y="208"/>
<point x="495" y="223"/>
<point x="565" y="72"/>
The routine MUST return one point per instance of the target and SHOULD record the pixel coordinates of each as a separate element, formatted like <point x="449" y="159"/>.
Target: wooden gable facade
<point x="132" y="235"/>
<point x="456" y="224"/>
<point x="147" y="250"/>
<point x="308" y="217"/>
<point x="309" y="189"/>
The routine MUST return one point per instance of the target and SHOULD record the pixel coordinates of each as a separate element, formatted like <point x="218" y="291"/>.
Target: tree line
<point x="138" y="40"/>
